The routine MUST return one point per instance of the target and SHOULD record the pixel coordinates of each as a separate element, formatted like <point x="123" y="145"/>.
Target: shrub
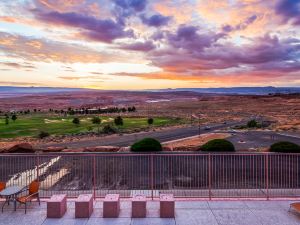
<point x="76" y="121"/>
<point x="107" y="129"/>
<point x="150" y="121"/>
<point x="252" y="124"/>
<point x="119" y="121"/>
<point x="285" y="146"/>
<point x="218" y="145"/>
<point x="43" y="134"/>
<point x="147" y="145"/>
<point x="14" y="117"/>
<point x="96" y="120"/>
<point x="6" y="120"/>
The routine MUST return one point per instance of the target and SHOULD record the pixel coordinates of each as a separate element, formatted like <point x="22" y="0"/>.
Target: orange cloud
<point x="47" y="51"/>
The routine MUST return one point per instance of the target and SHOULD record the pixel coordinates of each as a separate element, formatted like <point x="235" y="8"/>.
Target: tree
<point x="123" y="110"/>
<point x="252" y="124"/>
<point x="6" y="120"/>
<point x="218" y="145"/>
<point x="119" y="121"/>
<point x="285" y="147"/>
<point x="107" y="129"/>
<point x="146" y="145"/>
<point x="14" y="117"/>
<point x="150" y="121"/>
<point x="76" y="121"/>
<point x="97" y="120"/>
<point x="43" y="134"/>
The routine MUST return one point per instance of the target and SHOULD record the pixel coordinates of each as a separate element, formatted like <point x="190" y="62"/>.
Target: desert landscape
<point x="53" y="113"/>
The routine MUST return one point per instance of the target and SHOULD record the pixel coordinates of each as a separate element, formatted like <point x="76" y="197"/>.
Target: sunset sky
<point x="149" y="44"/>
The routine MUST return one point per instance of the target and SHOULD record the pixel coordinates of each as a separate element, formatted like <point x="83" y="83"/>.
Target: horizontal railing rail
<point x="187" y="175"/>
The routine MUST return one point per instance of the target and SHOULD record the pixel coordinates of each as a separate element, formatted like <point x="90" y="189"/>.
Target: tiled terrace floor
<point x="187" y="213"/>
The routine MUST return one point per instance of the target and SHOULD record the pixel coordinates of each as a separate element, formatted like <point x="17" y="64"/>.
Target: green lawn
<point x="31" y="125"/>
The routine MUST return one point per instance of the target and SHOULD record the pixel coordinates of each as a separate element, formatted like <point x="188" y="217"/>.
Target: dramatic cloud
<point x="44" y="50"/>
<point x="290" y="10"/>
<point x="241" y="26"/>
<point x="137" y="5"/>
<point x="96" y="29"/>
<point x="126" y="8"/>
<point x="188" y="38"/>
<point x="81" y="78"/>
<point x="240" y="42"/>
<point x="26" y="66"/>
<point x="156" y="20"/>
<point x="139" y="46"/>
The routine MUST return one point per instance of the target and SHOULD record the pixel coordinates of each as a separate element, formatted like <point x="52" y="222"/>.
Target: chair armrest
<point x="29" y="196"/>
<point x="23" y="190"/>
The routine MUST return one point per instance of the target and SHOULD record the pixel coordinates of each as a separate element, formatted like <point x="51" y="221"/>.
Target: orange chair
<point x="295" y="206"/>
<point x="33" y="193"/>
<point x="2" y="186"/>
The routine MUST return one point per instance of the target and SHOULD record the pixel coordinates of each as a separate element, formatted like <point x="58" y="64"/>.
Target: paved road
<point x="257" y="139"/>
<point x="127" y="140"/>
<point x="242" y="140"/>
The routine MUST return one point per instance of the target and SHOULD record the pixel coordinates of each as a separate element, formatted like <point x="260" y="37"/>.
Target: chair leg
<point x="39" y="200"/>
<point x="6" y="201"/>
<point x="25" y="207"/>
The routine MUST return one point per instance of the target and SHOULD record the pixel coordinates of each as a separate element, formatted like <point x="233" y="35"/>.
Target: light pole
<point x="199" y="125"/>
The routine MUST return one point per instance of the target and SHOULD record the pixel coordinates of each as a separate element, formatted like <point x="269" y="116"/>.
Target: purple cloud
<point x="289" y="10"/>
<point x="136" y="5"/>
<point x="139" y="46"/>
<point x="265" y="55"/>
<point x="126" y="8"/>
<point x="156" y="20"/>
<point x="241" y="26"/>
<point x="188" y="38"/>
<point x="105" y="30"/>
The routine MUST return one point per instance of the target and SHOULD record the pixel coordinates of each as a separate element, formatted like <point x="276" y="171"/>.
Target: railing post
<point x="209" y="176"/>
<point x="267" y="174"/>
<point x="152" y="177"/>
<point x="94" y="176"/>
<point x="38" y="167"/>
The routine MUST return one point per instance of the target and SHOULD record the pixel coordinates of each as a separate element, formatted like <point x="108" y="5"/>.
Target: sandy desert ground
<point x="282" y="110"/>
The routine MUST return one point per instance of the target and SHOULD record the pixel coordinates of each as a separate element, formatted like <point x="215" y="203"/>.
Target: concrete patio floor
<point x="187" y="213"/>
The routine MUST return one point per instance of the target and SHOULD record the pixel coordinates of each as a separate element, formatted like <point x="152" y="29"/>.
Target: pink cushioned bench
<point x="167" y="206"/>
<point x="84" y="206"/>
<point x="111" y="206"/>
<point x="138" y="206"/>
<point x="57" y="206"/>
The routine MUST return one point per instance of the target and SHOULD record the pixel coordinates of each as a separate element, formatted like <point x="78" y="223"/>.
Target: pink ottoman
<point x="57" y="206"/>
<point x="84" y="206"/>
<point x="138" y="206"/>
<point x="167" y="206"/>
<point x="111" y="206"/>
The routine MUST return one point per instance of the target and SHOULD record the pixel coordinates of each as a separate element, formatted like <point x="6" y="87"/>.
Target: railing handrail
<point x="187" y="153"/>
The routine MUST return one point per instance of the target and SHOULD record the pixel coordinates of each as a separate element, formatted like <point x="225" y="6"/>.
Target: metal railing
<point x="188" y="175"/>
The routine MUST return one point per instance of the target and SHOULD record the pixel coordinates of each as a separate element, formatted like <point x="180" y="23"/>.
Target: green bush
<point x="119" y="121"/>
<point x="76" y="121"/>
<point x="218" y="145"/>
<point x="108" y="129"/>
<point x="252" y="124"/>
<point x="150" y="121"/>
<point x="147" y="145"/>
<point x="14" y="117"/>
<point x="43" y="134"/>
<point x="285" y="146"/>
<point x="96" y="120"/>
